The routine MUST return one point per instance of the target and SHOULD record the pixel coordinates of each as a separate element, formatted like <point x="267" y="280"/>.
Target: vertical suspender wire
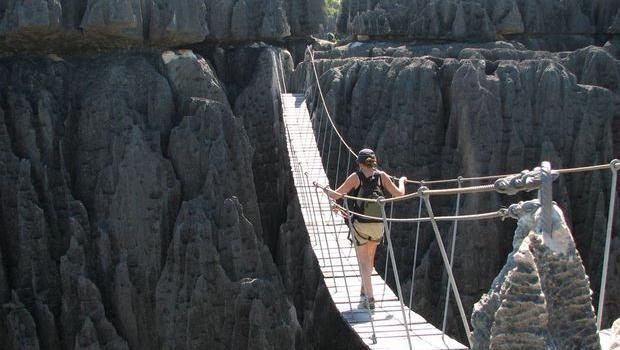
<point x="615" y="164"/>
<point x="348" y="214"/>
<point x="344" y="273"/>
<point x="348" y="164"/>
<point x="444" y="256"/>
<point x="415" y="257"/>
<point x="324" y="135"/>
<point x="331" y="262"/>
<point x="338" y="165"/>
<point x="318" y="136"/>
<point x="318" y="129"/>
<point x="318" y="85"/>
<point x="308" y="198"/>
<point x="329" y="152"/>
<point x="454" y="229"/>
<point x="546" y="199"/>
<point x="316" y="225"/>
<point x="282" y="71"/>
<point x="381" y="202"/>
<point x="299" y="167"/>
<point x="373" y="337"/>
<point x="387" y="254"/>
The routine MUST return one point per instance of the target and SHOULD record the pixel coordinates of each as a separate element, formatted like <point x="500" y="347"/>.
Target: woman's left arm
<point x="350" y="183"/>
<point x="389" y="185"/>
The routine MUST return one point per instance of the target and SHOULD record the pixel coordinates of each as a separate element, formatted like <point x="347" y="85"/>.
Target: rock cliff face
<point x="449" y="115"/>
<point x="615" y="345"/>
<point x="576" y="22"/>
<point x="118" y="230"/>
<point x="146" y="198"/>
<point x="541" y="299"/>
<point x="42" y="25"/>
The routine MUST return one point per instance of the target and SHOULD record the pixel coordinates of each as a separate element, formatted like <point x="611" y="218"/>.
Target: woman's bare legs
<point x="366" y="256"/>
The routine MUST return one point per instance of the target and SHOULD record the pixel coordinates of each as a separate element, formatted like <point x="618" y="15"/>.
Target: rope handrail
<point x="501" y="213"/>
<point x="470" y="189"/>
<point x="421" y="191"/>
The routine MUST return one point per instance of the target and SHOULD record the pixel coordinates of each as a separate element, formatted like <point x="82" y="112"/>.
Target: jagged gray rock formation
<point x="457" y="20"/>
<point x="541" y="299"/>
<point x="615" y="345"/>
<point x="117" y="174"/>
<point x="43" y="25"/>
<point x="431" y="118"/>
<point x="221" y="289"/>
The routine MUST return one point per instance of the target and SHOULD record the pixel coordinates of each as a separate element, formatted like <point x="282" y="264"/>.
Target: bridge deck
<point x="328" y="236"/>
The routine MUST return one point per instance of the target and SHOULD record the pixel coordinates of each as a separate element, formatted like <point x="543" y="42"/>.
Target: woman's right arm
<point x="350" y="183"/>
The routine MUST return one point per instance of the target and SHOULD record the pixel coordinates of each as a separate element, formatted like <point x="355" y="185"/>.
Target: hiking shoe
<point x="367" y="303"/>
<point x="371" y="303"/>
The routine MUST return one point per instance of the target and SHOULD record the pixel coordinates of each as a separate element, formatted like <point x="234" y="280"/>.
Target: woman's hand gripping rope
<point x="332" y="202"/>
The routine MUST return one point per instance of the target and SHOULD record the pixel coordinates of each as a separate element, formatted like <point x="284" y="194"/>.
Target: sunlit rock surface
<point x="541" y="299"/>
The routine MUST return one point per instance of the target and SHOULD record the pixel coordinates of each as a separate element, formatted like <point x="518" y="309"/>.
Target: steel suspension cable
<point x="318" y="85"/>
<point x="323" y="143"/>
<point x="501" y="213"/>
<point x="441" y="192"/>
<point x="329" y="153"/>
<point x="316" y="192"/>
<point x="444" y="256"/>
<point x="387" y="255"/>
<point x="386" y="227"/>
<point x="344" y="274"/>
<point x="338" y="164"/>
<point x="415" y="257"/>
<point x="329" y="256"/>
<point x="454" y="229"/>
<point x="615" y="165"/>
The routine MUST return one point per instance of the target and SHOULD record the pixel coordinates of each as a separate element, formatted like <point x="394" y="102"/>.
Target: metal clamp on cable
<point x="422" y="191"/>
<point x="503" y="214"/>
<point x="527" y="180"/>
<point x="615" y="165"/>
<point x="517" y="210"/>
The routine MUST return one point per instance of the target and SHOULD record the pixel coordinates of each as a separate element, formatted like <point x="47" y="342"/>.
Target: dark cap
<point x="365" y="154"/>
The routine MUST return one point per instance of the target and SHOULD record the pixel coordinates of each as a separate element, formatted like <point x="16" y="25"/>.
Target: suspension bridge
<point x="393" y="325"/>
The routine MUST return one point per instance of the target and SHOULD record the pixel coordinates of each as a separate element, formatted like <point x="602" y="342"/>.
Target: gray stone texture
<point x="574" y="21"/>
<point x="541" y="299"/>
<point x="119" y="179"/>
<point x="615" y="345"/>
<point x="443" y="116"/>
<point x="74" y="25"/>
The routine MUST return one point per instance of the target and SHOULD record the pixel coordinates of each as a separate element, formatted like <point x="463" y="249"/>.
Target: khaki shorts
<point x="367" y="231"/>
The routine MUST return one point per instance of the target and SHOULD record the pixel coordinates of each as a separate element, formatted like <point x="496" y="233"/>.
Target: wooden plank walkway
<point x="328" y="236"/>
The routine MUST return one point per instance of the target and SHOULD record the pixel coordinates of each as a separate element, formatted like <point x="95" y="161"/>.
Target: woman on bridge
<point x="367" y="182"/>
